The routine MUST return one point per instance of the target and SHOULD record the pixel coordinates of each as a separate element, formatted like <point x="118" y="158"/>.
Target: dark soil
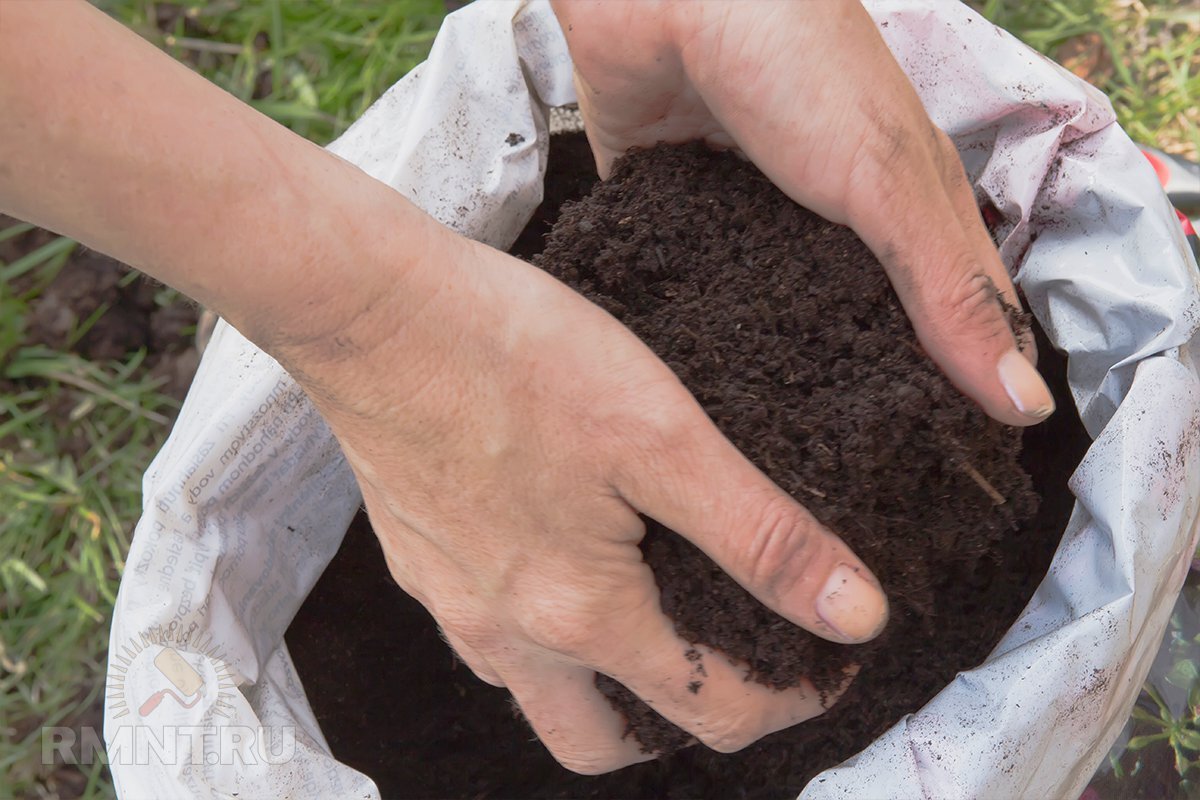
<point x="562" y="186"/>
<point x="394" y="703"/>
<point x="785" y="328"/>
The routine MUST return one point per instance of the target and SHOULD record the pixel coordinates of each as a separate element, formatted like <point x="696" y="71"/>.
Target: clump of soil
<point x="785" y="328"/>
<point x="394" y="703"/>
<point x="562" y="185"/>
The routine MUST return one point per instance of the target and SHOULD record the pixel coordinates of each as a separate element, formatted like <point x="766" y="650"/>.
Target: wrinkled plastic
<point x="250" y="497"/>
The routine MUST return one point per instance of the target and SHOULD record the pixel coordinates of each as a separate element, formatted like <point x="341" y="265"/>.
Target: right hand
<point x="811" y="94"/>
<point x="506" y="434"/>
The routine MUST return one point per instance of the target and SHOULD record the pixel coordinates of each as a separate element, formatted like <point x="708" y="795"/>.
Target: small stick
<point x="997" y="498"/>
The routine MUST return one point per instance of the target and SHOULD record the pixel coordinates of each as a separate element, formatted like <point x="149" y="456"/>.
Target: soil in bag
<point x="785" y="329"/>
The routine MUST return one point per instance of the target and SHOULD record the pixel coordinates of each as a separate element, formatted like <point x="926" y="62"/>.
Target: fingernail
<point x="851" y="605"/>
<point x="1025" y="386"/>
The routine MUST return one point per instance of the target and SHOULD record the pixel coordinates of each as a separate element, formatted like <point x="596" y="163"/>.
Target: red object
<point x="1188" y="230"/>
<point x="1160" y="169"/>
<point x="1163" y="172"/>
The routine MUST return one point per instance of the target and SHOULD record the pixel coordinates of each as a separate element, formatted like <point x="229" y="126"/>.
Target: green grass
<point x="74" y="440"/>
<point x="313" y="66"/>
<point x="1146" y="57"/>
<point x="76" y="436"/>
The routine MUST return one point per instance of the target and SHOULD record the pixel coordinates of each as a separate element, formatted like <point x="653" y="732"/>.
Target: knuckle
<point x="473" y="638"/>
<point x="730" y="733"/>
<point x="554" y="625"/>
<point x="398" y="569"/>
<point x="779" y="548"/>
<point x="482" y="673"/>
<point x="662" y="416"/>
<point x="661" y="434"/>
<point x="967" y="303"/>
<point x="464" y="653"/>
<point x="481" y="633"/>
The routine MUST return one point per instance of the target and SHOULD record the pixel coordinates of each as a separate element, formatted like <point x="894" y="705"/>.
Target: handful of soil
<point x="436" y="731"/>
<point x="785" y="328"/>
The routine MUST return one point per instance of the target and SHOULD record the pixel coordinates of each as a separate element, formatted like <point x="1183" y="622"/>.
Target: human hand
<point x="506" y="433"/>
<point x="811" y="94"/>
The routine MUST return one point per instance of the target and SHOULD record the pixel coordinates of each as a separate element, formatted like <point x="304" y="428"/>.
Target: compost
<point x="784" y="327"/>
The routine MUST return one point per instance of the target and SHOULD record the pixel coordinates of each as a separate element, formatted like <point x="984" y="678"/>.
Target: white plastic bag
<point x="250" y="497"/>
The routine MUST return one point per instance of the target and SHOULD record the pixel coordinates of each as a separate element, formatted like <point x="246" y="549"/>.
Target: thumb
<point x="694" y="481"/>
<point x="872" y="158"/>
<point x="919" y="216"/>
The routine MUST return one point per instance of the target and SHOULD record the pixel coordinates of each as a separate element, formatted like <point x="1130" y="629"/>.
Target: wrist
<point x="349" y="316"/>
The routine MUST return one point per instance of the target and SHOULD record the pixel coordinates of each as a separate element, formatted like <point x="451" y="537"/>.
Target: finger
<point x="408" y="555"/>
<point x="700" y="690"/>
<point x="686" y="475"/>
<point x="962" y="201"/>
<point x="962" y="197"/>
<point x="887" y="186"/>
<point x="629" y="639"/>
<point x="936" y="251"/>
<point x="945" y="278"/>
<point x="573" y="720"/>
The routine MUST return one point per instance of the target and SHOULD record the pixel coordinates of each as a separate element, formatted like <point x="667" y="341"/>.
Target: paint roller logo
<point x="170" y="669"/>
<point x="181" y="675"/>
<point x="154" y="679"/>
